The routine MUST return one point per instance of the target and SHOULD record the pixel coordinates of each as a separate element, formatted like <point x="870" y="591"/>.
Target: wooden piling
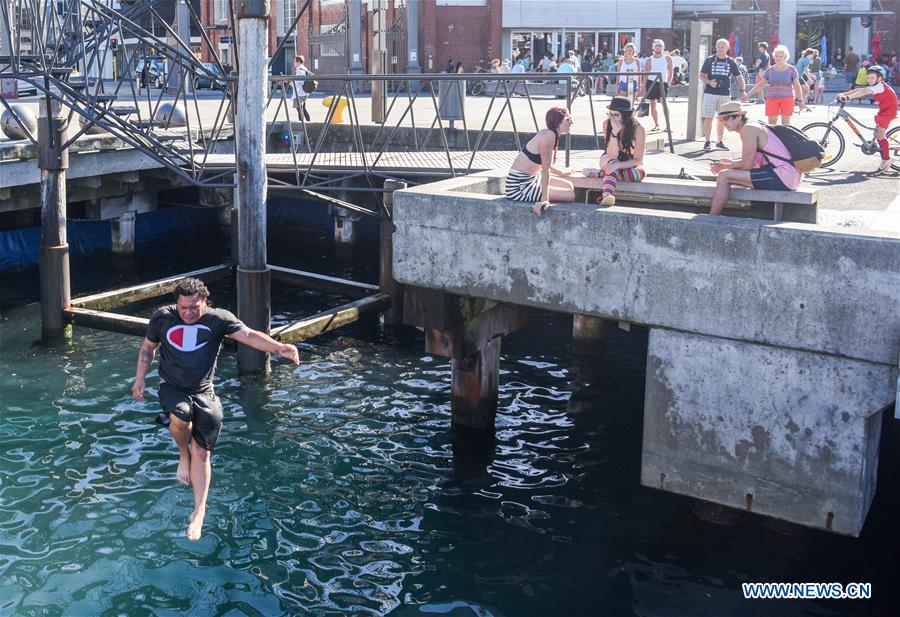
<point x="468" y="331"/>
<point x="53" y="161"/>
<point x="394" y="315"/>
<point x="253" y="275"/>
<point x="587" y="335"/>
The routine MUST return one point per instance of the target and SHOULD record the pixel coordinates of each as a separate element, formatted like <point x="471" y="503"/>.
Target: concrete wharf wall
<point x="773" y="346"/>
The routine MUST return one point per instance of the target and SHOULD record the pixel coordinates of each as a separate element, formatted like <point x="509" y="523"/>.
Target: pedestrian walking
<point x="783" y="83"/>
<point x="300" y="88"/>
<point x="657" y="84"/>
<point x="716" y="74"/>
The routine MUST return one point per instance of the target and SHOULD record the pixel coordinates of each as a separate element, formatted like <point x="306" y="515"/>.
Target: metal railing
<point x="75" y="37"/>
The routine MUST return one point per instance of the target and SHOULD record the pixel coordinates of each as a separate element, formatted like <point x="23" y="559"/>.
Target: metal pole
<point x="53" y="161"/>
<point x="394" y="315"/>
<point x="412" y="37"/>
<point x="355" y="17"/>
<point x="379" y="51"/>
<point x="183" y="21"/>
<point x="253" y="274"/>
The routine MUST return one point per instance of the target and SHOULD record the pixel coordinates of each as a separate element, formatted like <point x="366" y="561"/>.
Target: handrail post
<point x="569" y="109"/>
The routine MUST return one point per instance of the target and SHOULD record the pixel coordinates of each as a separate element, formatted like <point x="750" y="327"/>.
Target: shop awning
<point x="850" y="13"/>
<point x="714" y="14"/>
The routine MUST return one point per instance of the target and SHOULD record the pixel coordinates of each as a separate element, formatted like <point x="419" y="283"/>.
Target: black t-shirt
<point x="764" y="61"/>
<point x="720" y="69"/>
<point x="188" y="353"/>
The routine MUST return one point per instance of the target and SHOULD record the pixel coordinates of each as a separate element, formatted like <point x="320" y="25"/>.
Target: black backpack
<point x="806" y="154"/>
<point x="310" y="85"/>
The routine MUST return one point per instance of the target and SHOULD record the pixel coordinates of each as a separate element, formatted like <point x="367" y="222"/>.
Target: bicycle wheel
<point x="477" y="88"/>
<point x="893" y="139"/>
<point x="829" y="138"/>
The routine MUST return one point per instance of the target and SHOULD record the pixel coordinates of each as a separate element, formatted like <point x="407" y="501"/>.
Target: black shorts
<point x="765" y="179"/>
<point x="202" y="409"/>
<point x="654" y="93"/>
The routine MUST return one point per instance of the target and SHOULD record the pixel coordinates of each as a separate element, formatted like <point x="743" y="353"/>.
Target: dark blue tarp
<point x="314" y="214"/>
<point x="172" y="223"/>
<point x="19" y="247"/>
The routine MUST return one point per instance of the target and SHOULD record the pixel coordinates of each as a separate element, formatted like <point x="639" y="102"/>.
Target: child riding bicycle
<point x="886" y="98"/>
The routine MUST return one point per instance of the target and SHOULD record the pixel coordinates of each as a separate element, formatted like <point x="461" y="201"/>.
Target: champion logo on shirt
<point x="188" y="338"/>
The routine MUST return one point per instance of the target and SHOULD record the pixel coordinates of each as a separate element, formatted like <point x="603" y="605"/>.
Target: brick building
<point x="476" y="31"/>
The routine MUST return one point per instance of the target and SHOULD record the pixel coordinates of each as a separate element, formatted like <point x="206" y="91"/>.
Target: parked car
<point x="23" y="88"/>
<point x="156" y="72"/>
<point x="211" y="78"/>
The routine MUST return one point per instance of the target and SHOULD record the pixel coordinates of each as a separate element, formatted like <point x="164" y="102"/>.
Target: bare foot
<point x="195" y="526"/>
<point x="184" y="469"/>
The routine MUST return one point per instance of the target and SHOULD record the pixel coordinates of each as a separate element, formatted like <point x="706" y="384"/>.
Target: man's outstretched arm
<point x="145" y="360"/>
<point x="263" y="342"/>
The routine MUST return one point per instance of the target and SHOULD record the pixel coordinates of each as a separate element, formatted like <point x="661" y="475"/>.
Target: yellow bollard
<point x="339" y="108"/>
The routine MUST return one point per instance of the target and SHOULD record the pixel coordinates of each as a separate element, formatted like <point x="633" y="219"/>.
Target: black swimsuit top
<point x="534" y="158"/>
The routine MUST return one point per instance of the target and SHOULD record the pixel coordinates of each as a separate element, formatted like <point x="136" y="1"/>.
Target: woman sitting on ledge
<point x="529" y="178"/>
<point x="625" y="145"/>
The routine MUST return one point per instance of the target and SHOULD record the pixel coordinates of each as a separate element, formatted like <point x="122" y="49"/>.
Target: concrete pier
<point x="122" y="230"/>
<point x="773" y="346"/>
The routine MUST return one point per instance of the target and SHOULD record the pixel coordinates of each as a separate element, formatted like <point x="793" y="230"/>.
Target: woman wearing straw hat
<point x="625" y="146"/>
<point x="765" y="161"/>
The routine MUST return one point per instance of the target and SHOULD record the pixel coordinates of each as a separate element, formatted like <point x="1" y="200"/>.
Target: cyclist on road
<point x="886" y="99"/>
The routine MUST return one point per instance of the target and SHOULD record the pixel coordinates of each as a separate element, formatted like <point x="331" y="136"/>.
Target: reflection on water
<point x="339" y="488"/>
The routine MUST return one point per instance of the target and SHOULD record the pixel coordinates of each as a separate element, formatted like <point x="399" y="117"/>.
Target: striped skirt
<point x="523" y="187"/>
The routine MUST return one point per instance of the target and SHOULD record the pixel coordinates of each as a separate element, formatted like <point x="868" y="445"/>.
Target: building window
<point x="329" y="49"/>
<point x="288" y="13"/>
<point x="221" y="11"/>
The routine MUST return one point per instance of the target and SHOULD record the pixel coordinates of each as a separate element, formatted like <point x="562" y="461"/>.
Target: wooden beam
<point x="124" y="324"/>
<point x="322" y="282"/>
<point x="153" y="289"/>
<point x="330" y="320"/>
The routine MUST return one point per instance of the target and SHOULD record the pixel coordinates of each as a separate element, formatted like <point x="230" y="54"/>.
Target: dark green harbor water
<point x="340" y="489"/>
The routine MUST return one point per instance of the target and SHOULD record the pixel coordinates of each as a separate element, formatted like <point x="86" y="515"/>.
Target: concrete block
<point x="794" y="285"/>
<point x="785" y="433"/>
<point x="122" y="230"/>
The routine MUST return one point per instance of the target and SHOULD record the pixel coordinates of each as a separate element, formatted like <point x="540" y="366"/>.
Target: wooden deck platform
<point x="437" y="163"/>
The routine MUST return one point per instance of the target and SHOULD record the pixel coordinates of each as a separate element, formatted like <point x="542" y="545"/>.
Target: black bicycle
<point x="475" y="87"/>
<point x="831" y="139"/>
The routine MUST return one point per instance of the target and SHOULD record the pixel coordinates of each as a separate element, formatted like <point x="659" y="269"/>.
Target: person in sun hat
<point x="762" y="165"/>
<point x="624" y="155"/>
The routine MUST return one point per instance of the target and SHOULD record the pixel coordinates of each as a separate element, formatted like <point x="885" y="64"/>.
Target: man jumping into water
<point x="190" y="334"/>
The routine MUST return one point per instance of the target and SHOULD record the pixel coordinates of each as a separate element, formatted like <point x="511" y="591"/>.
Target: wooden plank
<point x="665" y="189"/>
<point x="112" y="322"/>
<point x="343" y="315"/>
<point x="332" y="284"/>
<point x="153" y="289"/>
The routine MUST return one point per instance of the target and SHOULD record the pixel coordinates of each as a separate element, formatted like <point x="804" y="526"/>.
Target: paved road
<point x="850" y="195"/>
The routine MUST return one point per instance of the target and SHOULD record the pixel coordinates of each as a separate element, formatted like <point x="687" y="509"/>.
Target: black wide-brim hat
<point x="620" y="103"/>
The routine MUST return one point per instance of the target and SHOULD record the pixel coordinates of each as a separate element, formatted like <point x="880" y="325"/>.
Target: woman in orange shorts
<point x="783" y="83"/>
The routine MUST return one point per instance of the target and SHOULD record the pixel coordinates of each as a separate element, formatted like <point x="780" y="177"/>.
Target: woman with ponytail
<point x="624" y="156"/>
<point x="530" y="179"/>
